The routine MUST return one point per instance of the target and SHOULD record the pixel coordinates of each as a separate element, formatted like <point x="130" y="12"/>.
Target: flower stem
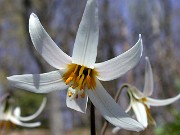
<point x="92" y="114"/>
<point x="103" y="130"/>
<point x="116" y="98"/>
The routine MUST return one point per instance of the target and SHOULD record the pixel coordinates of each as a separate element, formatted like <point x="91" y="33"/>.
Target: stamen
<point x="88" y="80"/>
<point x="81" y="70"/>
<point x="70" y="93"/>
<point x="70" y="78"/>
<point x="79" y="77"/>
<point x="89" y="71"/>
<point x="83" y="94"/>
<point x="76" y="68"/>
<point x="149" y="116"/>
<point x="144" y="99"/>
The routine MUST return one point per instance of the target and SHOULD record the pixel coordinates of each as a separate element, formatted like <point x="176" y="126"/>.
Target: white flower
<point x="79" y="73"/>
<point x="140" y="102"/>
<point x="8" y="113"/>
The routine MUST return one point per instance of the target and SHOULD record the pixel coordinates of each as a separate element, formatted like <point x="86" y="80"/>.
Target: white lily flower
<point x="140" y="102"/>
<point x="9" y="114"/>
<point x="79" y="73"/>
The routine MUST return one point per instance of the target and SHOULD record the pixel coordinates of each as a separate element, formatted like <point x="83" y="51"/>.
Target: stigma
<point x="80" y="77"/>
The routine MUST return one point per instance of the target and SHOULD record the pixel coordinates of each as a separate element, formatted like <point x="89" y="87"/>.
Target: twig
<point x="92" y="114"/>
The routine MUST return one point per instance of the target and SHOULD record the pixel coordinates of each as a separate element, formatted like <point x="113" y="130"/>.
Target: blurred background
<point x="120" y="22"/>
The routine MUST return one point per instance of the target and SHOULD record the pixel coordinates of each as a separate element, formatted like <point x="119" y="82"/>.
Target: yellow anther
<point x="81" y="70"/>
<point x="76" y="68"/>
<point x="70" y="78"/>
<point x="88" y="80"/>
<point x="77" y="79"/>
<point x="144" y="99"/>
<point x="80" y="77"/>
<point x="89" y="71"/>
<point x="70" y="93"/>
<point x="83" y="94"/>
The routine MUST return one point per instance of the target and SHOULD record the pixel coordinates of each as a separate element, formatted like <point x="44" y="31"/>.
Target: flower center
<point x="79" y="77"/>
<point x="143" y="99"/>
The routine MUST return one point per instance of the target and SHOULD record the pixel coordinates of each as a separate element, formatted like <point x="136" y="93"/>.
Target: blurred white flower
<point x="79" y="73"/>
<point x="140" y="102"/>
<point x="13" y="115"/>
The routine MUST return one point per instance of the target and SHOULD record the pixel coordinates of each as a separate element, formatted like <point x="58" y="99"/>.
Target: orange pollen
<point x="79" y="77"/>
<point x="144" y="99"/>
<point x="70" y="93"/>
<point x="83" y="95"/>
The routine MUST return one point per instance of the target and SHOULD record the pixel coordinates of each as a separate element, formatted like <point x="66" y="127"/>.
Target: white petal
<point x="110" y="110"/>
<point x="148" y="84"/>
<point x="18" y="122"/>
<point x="128" y="108"/>
<point x="35" y="114"/>
<point x="119" y="65"/>
<point x="156" y="102"/>
<point x="39" y="83"/>
<point x="140" y="112"/>
<point x="115" y="130"/>
<point x="17" y="112"/>
<point x="136" y="93"/>
<point x="45" y="45"/>
<point x="130" y="102"/>
<point x="78" y="104"/>
<point x="85" y="47"/>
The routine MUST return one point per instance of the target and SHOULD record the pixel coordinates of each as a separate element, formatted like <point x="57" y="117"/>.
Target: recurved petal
<point x="163" y="102"/>
<point x="45" y="45"/>
<point x="119" y="65"/>
<point x="17" y="112"/>
<point x="78" y="104"/>
<point x="18" y="122"/>
<point x="148" y="84"/>
<point x="85" y="46"/>
<point x="130" y="102"/>
<point x="110" y="110"/>
<point x="31" y="117"/>
<point x="140" y="112"/>
<point x="39" y="83"/>
<point x="136" y="93"/>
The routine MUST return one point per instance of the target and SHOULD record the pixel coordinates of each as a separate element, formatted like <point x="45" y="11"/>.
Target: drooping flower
<point x="10" y="114"/>
<point x="140" y="102"/>
<point x="79" y="73"/>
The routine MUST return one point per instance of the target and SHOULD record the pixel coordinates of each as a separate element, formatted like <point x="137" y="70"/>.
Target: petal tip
<point x="37" y="124"/>
<point x="146" y="58"/>
<point x="139" y="43"/>
<point x="10" y="78"/>
<point x="33" y="15"/>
